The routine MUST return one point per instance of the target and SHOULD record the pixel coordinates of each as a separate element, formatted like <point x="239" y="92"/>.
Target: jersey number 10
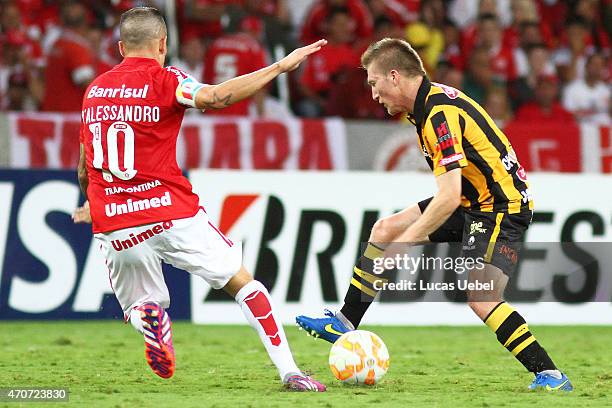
<point x="128" y="171"/>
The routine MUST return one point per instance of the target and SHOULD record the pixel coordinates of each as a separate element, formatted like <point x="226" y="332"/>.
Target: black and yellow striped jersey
<point x="456" y="132"/>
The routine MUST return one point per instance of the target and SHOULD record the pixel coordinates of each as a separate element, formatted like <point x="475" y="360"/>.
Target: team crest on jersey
<point x="445" y="138"/>
<point x="448" y="90"/>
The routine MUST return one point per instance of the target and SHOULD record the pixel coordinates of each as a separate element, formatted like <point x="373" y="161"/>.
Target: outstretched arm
<point x="234" y="90"/>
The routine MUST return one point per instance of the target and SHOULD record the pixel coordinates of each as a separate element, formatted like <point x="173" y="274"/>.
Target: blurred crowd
<point x="527" y="60"/>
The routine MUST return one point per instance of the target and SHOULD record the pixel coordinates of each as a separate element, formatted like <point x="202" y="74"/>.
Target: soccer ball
<point x="359" y="357"/>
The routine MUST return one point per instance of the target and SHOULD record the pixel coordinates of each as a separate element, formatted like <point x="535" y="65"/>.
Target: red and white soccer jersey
<point x="130" y="122"/>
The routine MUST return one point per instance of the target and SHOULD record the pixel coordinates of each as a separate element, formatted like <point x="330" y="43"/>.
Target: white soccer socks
<point x="256" y="305"/>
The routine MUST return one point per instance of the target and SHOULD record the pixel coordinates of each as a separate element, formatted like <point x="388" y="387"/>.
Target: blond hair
<point x="393" y="53"/>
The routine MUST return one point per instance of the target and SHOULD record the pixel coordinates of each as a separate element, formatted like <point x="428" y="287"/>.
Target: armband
<point x="187" y="90"/>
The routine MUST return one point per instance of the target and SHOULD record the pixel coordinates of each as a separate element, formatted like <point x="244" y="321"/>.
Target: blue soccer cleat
<point x="551" y="383"/>
<point x="328" y="328"/>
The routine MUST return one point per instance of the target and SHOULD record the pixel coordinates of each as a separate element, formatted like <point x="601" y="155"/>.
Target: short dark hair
<point x="140" y="25"/>
<point x="393" y="53"/>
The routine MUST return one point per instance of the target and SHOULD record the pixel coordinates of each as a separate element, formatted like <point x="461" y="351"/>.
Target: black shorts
<point x="496" y="237"/>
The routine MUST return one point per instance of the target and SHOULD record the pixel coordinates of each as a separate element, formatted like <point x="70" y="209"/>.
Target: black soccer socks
<point x="363" y="287"/>
<point x="513" y="333"/>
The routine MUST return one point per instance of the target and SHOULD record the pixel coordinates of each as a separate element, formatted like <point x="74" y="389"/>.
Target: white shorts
<point x="134" y="255"/>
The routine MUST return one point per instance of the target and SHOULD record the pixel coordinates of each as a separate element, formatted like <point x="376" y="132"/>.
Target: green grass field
<point x="102" y="364"/>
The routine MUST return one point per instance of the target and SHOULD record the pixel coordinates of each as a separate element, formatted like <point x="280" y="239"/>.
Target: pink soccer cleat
<point x="301" y="382"/>
<point x="158" y="339"/>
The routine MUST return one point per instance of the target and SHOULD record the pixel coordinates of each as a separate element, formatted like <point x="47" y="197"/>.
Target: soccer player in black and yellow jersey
<point x="483" y="201"/>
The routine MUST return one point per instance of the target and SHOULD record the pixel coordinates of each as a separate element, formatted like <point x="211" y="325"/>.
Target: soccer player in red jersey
<point x="143" y="209"/>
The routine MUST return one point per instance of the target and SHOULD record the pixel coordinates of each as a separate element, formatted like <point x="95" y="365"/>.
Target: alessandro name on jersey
<point x="130" y="122"/>
<point x="122" y="113"/>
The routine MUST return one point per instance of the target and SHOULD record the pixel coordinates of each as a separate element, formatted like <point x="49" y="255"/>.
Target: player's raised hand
<point x="82" y="214"/>
<point x="297" y="56"/>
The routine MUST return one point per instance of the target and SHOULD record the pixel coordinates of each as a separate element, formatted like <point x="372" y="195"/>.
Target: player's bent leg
<point x="196" y="245"/>
<point x="512" y="330"/>
<point x="237" y="282"/>
<point x="256" y="305"/>
<point x="138" y="283"/>
<point x="362" y="290"/>
<point x="387" y="228"/>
